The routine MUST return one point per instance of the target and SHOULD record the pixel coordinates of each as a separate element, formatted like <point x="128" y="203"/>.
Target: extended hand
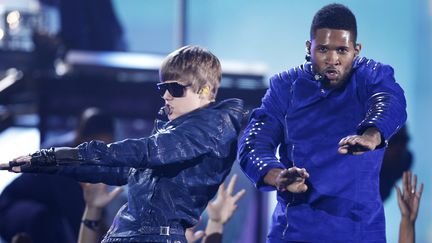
<point x="44" y="160"/>
<point x="358" y="144"/>
<point x="15" y="164"/>
<point x="4" y="166"/>
<point x="292" y="180"/>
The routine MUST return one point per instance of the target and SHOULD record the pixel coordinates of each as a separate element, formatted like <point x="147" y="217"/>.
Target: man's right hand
<point x="43" y="157"/>
<point x="4" y="166"/>
<point x="15" y="164"/>
<point x="48" y="158"/>
<point x="292" y="179"/>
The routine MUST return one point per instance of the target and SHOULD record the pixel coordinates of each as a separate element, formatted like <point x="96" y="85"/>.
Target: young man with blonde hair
<point x="173" y="173"/>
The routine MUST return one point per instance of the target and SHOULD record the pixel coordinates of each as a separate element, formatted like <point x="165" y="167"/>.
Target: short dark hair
<point x="194" y="64"/>
<point x="334" y="16"/>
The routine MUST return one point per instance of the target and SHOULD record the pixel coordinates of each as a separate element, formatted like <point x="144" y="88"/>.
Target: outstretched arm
<point x="265" y="131"/>
<point x="82" y="172"/>
<point x="195" y="136"/>
<point x="385" y="105"/>
<point x="408" y="201"/>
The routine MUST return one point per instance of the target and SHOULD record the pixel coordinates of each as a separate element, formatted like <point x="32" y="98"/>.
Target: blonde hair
<point x="194" y="65"/>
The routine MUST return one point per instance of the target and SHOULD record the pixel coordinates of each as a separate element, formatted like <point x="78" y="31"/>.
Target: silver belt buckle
<point x="164" y="230"/>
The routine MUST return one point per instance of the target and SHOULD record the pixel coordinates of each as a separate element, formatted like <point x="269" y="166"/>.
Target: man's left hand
<point x="358" y="144"/>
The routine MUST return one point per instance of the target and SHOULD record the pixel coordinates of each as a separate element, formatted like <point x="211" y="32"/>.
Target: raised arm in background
<point x="409" y="202"/>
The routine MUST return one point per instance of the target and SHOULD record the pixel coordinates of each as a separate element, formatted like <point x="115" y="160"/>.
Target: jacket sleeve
<point x="260" y="139"/>
<point x="84" y="173"/>
<point x="197" y="135"/>
<point x="385" y="105"/>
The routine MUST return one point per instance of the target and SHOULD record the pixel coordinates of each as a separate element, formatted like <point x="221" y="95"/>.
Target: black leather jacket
<point x="171" y="175"/>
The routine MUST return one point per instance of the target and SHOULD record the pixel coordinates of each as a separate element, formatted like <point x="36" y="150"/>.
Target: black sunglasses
<point x="175" y="89"/>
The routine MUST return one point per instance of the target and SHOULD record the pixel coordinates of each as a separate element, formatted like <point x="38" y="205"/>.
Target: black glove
<point x="43" y="157"/>
<point x="54" y="156"/>
<point x="40" y="169"/>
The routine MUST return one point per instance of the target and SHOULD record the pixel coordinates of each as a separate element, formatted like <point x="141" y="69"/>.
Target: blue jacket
<point x="307" y="120"/>
<point x="171" y="175"/>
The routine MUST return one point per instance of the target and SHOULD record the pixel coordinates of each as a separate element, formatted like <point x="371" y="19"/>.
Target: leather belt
<point x="161" y="230"/>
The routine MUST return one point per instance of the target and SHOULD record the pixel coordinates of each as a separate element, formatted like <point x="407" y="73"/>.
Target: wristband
<point x="91" y="224"/>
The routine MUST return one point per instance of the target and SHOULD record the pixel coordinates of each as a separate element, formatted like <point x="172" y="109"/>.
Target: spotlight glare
<point x="13" y="18"/>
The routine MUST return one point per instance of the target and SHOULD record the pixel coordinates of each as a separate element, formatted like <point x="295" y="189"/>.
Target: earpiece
<point x="308" y="56"/>
<point x="205" y="90"/>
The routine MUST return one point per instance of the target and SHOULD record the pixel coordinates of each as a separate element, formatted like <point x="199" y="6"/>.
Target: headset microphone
<point x="321" y="78"/>
<point x="318" y="77"/>
<point x="164" y="111"/>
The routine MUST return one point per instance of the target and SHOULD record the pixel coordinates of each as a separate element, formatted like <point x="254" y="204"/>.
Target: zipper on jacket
<point x="292" y="199"/>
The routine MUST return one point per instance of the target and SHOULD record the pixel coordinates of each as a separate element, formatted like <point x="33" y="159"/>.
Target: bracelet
<point x="91" y="224"/>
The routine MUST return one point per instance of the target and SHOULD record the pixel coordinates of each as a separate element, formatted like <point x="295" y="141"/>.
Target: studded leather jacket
<point x="302" y="122"/>
<point x="171" y="175"/>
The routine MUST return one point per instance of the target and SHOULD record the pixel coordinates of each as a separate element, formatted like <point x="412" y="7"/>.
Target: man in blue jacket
<point x="332" y="117"/>
<point x="173" y="173"/>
